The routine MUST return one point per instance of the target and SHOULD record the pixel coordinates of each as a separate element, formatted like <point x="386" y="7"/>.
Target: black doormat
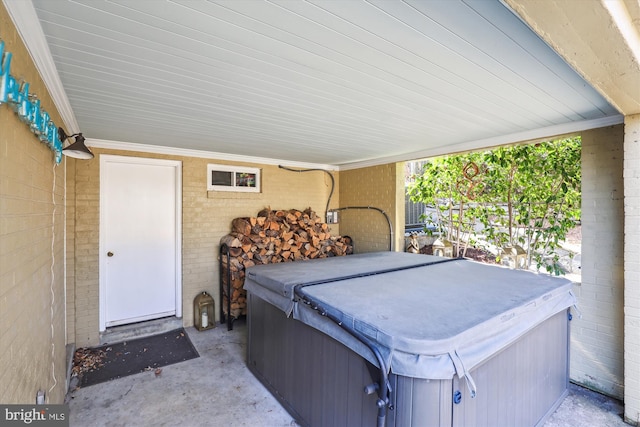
<point x="100" y="364"/>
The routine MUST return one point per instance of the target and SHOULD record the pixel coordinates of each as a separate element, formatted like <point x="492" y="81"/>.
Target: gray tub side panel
<point x="420" y="402"/>
<point x="318" y="380"/>
<point x="522" y="384"/>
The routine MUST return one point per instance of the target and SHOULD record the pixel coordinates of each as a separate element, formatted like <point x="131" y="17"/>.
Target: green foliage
<point x="527" y="195"/>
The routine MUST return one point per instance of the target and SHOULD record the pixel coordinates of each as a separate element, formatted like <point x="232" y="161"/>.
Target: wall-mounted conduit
<point x="391" y="238"/>
<point x="326" y="211"/>
<point x="333" y="182"/>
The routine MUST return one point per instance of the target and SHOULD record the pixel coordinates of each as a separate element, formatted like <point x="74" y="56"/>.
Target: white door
<point x="140" y="217"/>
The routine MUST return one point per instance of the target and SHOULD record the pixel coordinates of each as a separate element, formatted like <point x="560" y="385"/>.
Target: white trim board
<point x="173" y="151"/>
<point x="24" y="16"/>
<point x="480" y="144"/>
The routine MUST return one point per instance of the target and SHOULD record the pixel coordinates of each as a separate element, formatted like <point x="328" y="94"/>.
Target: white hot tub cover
<point x="429" y="319"/>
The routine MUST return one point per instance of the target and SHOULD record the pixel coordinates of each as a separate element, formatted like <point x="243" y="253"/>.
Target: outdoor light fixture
<point x="76" y="150"/>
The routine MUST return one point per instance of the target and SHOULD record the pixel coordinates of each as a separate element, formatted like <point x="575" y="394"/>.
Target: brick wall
<point x="32" y="315"/>
<point x="380" y="187"/>
<point x="632" y="269"/>
<point x="597" y="338"/>
<point x="206" y="218"/>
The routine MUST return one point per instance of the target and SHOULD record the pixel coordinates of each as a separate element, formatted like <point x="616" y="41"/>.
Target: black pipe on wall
<point x="333" y="182"/>
<point x="391" y="242"/>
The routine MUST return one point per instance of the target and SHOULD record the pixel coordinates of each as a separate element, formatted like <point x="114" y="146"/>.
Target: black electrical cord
<point x="333" y="182"/>
<point x="391" y="242"/>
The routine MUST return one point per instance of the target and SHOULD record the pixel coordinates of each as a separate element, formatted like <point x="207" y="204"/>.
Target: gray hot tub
<point x="443" y="330"/>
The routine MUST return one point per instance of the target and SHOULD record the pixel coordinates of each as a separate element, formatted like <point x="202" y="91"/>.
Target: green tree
<point x="453" y="187"/>
<point x="526" y="195"/>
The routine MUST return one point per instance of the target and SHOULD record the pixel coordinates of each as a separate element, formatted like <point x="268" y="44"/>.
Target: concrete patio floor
<point x="217" y="389"/>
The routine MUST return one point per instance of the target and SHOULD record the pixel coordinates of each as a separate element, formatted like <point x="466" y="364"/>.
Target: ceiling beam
<point x="589" y="39"/>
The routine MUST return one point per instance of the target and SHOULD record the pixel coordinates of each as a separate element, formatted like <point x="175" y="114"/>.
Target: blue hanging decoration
<point x="27" y="106"/>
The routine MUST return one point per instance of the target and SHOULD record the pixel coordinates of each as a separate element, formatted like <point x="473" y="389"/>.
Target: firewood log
<point x="231" y="241"/>
<point x="241" y="225"/>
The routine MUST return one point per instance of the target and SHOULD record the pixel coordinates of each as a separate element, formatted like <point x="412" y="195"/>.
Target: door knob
<point x="109" y="254"/>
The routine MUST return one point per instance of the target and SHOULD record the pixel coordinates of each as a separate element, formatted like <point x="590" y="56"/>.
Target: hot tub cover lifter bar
<point x="383" y="387"/>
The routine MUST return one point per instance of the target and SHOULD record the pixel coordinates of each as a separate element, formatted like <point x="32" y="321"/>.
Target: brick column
<point x="597" y="337"/>
<point x="632" y="269"/>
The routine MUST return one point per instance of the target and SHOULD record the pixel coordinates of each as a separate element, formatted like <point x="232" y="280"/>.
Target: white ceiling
<point x="324" y="82"/>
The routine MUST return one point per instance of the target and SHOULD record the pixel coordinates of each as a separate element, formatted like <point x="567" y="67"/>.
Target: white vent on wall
<point x="233" y="178"/>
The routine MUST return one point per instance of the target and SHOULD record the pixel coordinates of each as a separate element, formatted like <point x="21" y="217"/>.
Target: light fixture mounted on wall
<point x="78" y="149"/>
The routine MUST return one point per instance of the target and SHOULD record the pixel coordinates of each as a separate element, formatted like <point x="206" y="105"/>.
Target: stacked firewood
<point x="274" y="236"/>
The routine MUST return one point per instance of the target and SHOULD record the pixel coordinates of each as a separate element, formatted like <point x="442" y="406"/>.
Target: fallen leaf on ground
<point x="87" y="359"/>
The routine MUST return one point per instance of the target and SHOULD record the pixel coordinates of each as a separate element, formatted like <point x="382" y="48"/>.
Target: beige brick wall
<point x="206" y="218"/>
<point x="32" y="312"/>
<point x="381" y="187"/>
<point x="597" y="338"/>
<point x="632" y="269"/>
<point x="84" y="184"/>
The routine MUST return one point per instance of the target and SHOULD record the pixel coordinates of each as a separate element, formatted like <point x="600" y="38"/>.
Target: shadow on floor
<point x="217" y="389"/>
<point x="583" y="407"/>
